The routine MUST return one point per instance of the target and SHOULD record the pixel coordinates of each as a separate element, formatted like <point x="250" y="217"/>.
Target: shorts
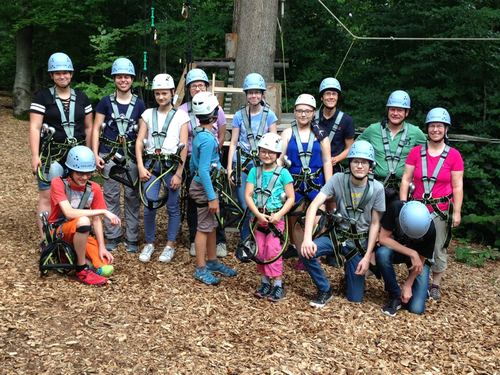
<point x="440" y="254"/>
<point x="42" y="185"/>
<point x="206" y="220"/>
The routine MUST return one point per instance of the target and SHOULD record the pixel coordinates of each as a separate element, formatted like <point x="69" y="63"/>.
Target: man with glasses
<point x="360" y="204"/>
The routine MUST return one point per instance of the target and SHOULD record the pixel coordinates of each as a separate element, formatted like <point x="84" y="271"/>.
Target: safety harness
<point x="305" y="175"/>
<point x="159" y="164"/>
<point x="429" y="182"/>
<point x="123" y="141"/>
<point x="253" y="140"/>
<point x="392" y="160"/>
<point x="335" y="126"/>
<point x="50" y="150"/>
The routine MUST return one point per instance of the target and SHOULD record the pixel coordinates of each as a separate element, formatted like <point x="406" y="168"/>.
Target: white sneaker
<point x="167" y="254"/>
<point x="221" y="250"/>
<point x="192" y="250"/>
<point x="146" y="252"/>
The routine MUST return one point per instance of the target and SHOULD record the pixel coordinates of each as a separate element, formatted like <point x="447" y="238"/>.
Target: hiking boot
<point x="146" y="252"/>
<point x="221" y="268"/>
<point x="106" y="270"/>
<point x="221" y="250"/>
<point x="263" y="291"/>
<point x="435" y="292"/>
<point x="392" y="307"/>
<point x="112" y="243"/>
<point x="89" y="277"/>
<point x="205" y="276"/>
<point x="167" y="254"/>
<point x="322" y="298"/>
<point x="131" y="246"/>
<point x="192" y="250"/>
<point x="277" y="294"/>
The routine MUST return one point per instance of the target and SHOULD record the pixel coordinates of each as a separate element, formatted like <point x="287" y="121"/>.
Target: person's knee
<point x="383" y="255"/>
<point x="83" y="221"/>
<point x="417" y="308"/>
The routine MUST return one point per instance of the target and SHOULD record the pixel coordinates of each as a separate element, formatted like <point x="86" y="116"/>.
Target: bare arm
<point x="75" y="213"/>
<point x="327" y="158"/>
<point x="406" y="181"/>
<point x="406" y="290"/>
<point x="99" y="236"/>
<point x="457" y="182"/>
<point x="308" y="248"/>
<point x="285" y="138"/>
<point x="176" y="180"/>
<point x="144" y="174"/>
<point x="88" y="129"/>
<point x="290" y="200"/>
<point x="364" y="264"/>
<point x="235" y="135"/>
<point x="385" y="239"/>
<point x="221" y="135"/>
<point x="347" y="145"/>
<point x="36" y="121"/>
<point x="273" y="128"/>
<point x="249" y="187"/>
<point x="96" y="132"/>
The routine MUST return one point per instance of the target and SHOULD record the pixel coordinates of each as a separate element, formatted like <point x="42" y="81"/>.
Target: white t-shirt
<point x="172" y="138"/>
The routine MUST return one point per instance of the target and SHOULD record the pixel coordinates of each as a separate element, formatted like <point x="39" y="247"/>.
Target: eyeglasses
<point x="266" y="152"/>
<point x="363" y="163"/>
<point x="82" y="174"/>
<point x="302" y="112"/>
<point x="199" y="86"/>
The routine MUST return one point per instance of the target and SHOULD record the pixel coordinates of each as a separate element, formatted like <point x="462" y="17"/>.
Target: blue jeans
<point x="240" y="194"/>
<point x="173" y="210"/>
<point x="355" y="284"/>
<point x="386" y="257"/>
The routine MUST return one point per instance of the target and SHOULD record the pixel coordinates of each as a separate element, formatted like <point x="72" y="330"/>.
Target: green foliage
<point x="476" y="257"/>
<point x="480" y="228"/>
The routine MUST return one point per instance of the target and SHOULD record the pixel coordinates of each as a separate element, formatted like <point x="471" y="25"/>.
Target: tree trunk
<point x="256" y="42"/>
<point x="22" y="82"/>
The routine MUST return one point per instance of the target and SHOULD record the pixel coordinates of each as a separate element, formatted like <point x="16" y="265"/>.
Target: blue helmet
<point x="399" y="99"/>
<point x="55" y="170"/>
<point x="81" y="159"/>
<point x="363" y="150"/>
<point x="330" y="83"/>
<point x="438" y="115"/>
<point x="196" y="75"/>
<point x="122" y="66"/>
<point x="414" y="219"/>
<point x="60" y="62"/>
<point x="254" y="81"/>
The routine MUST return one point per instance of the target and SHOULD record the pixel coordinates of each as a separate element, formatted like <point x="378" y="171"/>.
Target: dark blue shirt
<point x="344" y="131"/>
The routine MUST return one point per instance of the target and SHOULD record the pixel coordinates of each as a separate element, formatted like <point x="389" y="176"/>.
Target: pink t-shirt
<point x="443" y="185"/>
<point x="221" y="121"/>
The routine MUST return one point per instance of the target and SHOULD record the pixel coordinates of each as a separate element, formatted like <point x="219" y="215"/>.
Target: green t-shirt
<point x="373" y="135"/>
<point x="274" y="202"/>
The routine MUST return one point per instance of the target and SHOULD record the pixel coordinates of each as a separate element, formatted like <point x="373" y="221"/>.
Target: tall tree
<point x="256" y="29"/>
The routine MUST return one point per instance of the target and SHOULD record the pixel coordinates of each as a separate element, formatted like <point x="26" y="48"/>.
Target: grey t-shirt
<point x="334" y="187"/>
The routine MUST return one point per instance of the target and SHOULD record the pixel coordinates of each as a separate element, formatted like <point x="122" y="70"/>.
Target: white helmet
<point x="271" y="141"/>
<point x="306" y="99"/>
<point x="205" y="105"/>
<point x="163" y="81"/>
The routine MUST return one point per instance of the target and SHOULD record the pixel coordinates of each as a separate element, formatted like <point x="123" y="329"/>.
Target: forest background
<point x="462" y="76"/>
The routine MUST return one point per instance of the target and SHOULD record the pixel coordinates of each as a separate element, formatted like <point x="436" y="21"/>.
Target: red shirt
<point x="58" y="195"/>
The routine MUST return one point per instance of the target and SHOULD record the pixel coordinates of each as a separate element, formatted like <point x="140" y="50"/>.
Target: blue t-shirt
<point x="205" y="152"/>
<point x="274" y="202"/>
<point x="254" y="124"/>
<point x="111" y="130"/>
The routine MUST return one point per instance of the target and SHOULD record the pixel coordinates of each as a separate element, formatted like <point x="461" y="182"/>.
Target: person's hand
<point x="113" y="219"/>
<point x="213" y="206"/>
<point x="363" y="266"/>
<point x="406" y="293"/>
<point x="308" y="248"/>
<point x="456" y="219"/>
<point x="106" y="255"/>
<point x="175" y="182"/>
<point x="262" y="218"/>
<point x="99" y="162"/>
<point x="416" y="263"/>
<point x="144" y="174"/>
<point x="35" y="163"/>
<point x="229" y="172"/>
<point x="275" y="218"/>
<point x="334" y="161"/>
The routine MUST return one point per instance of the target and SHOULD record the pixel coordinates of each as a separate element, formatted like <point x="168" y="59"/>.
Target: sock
<point x="80" y="267"/>
<point x="278" y="282"/>
<point x="265" y="280"/>
<point x="435" y="286"/>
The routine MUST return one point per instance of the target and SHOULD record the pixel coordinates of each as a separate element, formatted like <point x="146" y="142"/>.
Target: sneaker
<point x="221" y="268"/>
<point x="322" y="299"/>
<point x="192" y="250"/>
<point x="263" y="291"/>
<point x="106" y="270"/>
<point x="146" y="252"/>
<point x="89" y="277"/>
<point x="131" y="246"/>
<point x="112" y="243"/>
<point x="167" y="254"/>
<point x="277" y="294"/>
<point x="205" y="276"/>
<point x="221" y="250"/>
<point x="435" y="292"/>
<point x="392" y="307"/>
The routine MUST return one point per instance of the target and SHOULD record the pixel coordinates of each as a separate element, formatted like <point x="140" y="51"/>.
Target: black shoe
<point x="263" y="291"/>
<point x="331" y="261"/>
<point x="392" y="307"/>
<point x="322" y="299"/>
<point x="277" y="294"/>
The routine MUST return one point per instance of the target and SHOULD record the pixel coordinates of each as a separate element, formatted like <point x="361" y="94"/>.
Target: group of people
<point x="394" y="203"/>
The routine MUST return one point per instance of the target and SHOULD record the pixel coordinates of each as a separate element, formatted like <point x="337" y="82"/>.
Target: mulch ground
<point x="156" y="319"/>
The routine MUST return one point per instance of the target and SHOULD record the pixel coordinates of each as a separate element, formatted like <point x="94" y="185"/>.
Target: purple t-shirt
<point x="221" y="121"/>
